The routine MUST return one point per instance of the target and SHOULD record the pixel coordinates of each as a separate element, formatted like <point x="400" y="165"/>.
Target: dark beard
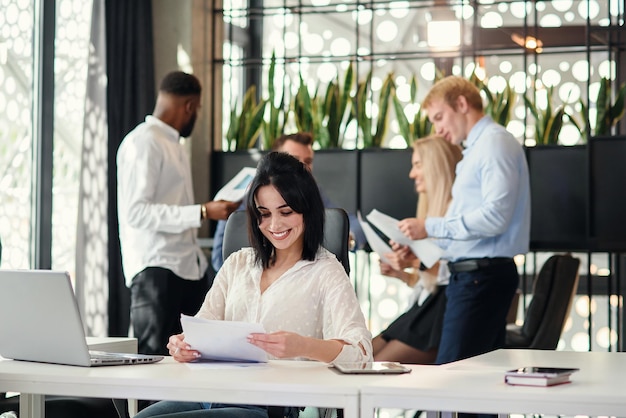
<point x="188" y="128"/>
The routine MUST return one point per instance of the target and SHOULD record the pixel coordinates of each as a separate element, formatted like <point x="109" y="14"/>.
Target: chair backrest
<point x="336" y="234"/>
<point x="553" y="292"/>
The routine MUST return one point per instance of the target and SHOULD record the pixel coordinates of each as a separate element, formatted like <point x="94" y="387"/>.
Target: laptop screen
<point x="40" y="318"/>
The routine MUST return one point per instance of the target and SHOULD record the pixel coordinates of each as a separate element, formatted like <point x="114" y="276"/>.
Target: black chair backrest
<point x="553" y="292"/>
<point x="336" y="234"/>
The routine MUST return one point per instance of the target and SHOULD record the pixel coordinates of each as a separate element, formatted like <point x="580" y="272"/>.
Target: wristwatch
<point x="203" y="212"/>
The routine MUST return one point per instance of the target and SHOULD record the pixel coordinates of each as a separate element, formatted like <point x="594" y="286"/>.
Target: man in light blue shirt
<point x="487" y="223"/>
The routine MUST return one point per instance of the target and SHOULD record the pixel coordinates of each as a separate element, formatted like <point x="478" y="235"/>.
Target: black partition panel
<point x="385" y="184"/>
<point x="334" y="170"/>
<point x="336" y="174"/>
<point x="558" y="184"/>
<point x="608" y="193"/>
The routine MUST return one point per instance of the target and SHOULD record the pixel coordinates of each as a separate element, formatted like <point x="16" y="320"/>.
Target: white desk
<point x="32" y="403"/>
<point x="276" y="383"/>
<point x="477" y="385"/>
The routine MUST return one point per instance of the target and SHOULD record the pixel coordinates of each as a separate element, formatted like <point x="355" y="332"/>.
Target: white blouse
<point x="313" y="298"/>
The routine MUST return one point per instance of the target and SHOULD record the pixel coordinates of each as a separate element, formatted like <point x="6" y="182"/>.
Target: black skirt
<point x="420" y="326"/>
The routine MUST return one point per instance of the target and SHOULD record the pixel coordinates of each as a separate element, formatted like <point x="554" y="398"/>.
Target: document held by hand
<point x="236" y="188"/>
<point x="222" y="340"/>
<point x="427" y="251"/>
<point x="378" y="245"/>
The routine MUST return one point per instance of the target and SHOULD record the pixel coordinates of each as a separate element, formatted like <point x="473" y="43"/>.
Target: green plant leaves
<point x="419" y="127"/>
<point x="359" y="110"/>
<point x="548" y="122"/>
<point x="274" y="124"/>
<point x="245" y="126"/>
<point x="608" y="114"/>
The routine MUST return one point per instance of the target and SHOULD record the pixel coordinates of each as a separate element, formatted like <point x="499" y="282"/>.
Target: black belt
<point x="473" y="264"/>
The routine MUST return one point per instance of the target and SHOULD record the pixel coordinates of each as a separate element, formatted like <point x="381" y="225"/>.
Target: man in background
<point x="486" y="225"/>
<point x="299" y="145"/>
<point x="164" y="266"/>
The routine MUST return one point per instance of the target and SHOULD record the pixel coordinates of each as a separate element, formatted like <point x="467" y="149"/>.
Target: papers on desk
<point x="222" y="340"/>
<point x="236" y="188"/>
<point x="427" y="251"/>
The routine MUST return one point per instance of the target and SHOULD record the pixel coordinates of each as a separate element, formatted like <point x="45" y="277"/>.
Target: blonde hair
<point x="450" y="89"/>
<point x="439" y="159"/>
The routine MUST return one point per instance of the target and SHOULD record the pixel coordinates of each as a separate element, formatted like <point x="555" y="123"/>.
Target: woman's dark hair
<point x="296" y="185"/>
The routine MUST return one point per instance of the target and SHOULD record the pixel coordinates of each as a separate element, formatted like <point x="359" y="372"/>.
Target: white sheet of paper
<point x="427" y="251"/>
<point x="223" y="365"/>
<point x="378" y="245"/>
<point x="222" y="340"/>
<point x="236" y="188"/>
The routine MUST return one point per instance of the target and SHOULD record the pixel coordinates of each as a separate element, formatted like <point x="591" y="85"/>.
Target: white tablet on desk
<point x="371" y="367"/>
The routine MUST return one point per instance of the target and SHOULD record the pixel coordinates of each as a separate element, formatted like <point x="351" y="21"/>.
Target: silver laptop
<point x="40" y="321"/>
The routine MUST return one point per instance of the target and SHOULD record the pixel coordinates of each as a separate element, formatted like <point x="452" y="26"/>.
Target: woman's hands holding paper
<point x="402" y="257"/>
<point x="283" y="344"/>
<point x="180" y="350"/>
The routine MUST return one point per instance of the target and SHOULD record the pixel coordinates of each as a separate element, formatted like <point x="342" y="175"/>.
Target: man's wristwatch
<point x="203" y="212"/>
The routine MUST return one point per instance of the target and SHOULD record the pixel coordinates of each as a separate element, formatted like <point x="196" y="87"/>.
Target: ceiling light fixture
<point x="530" y="42"/>
<point x="444" y="34"/>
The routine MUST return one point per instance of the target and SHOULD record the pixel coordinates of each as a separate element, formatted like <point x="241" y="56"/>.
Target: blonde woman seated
<point x="287" y="281"/>
<point x="414" y="336"/>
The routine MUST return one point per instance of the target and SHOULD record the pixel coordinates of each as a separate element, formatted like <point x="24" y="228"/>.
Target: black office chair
<point x="336" y="240"/>
<point x="553" y="292"/>
<point x="336" y="234"/>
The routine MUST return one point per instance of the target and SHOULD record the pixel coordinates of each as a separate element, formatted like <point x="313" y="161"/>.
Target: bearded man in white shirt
<point x="163" y="264"/>
<point x="486" y="225"/>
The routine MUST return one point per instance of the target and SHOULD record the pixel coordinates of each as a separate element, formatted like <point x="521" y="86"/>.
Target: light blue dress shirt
<point x="489" y="215"/>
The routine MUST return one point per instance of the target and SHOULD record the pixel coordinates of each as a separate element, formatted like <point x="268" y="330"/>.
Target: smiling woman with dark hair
<point x="287" y="281"/>
<point x="282" y="174"/>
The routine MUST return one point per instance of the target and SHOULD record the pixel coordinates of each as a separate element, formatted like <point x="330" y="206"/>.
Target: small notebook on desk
<point x="539" y="376"/>
<point x="40" y="321"/>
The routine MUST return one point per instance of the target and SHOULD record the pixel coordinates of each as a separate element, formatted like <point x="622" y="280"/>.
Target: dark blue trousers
<point x="475" y="318"/>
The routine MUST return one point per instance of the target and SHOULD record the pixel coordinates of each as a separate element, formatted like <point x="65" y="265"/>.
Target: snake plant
<point x="335" y="106"/>
<point x="372" y="138"/>
<point x="420" y="126"/>
<point x="608" y="113"/>
<point x="274" y="125"/>
<point x="308" y="112"/>
<point x="548" y="121"/>
<point x="499" y="105"/>
<point x="245" y="126"/>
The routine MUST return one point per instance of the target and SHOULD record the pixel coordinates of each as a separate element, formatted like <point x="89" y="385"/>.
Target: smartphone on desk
<point x="371" y="367"/>
<point x="541" y="371"/>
